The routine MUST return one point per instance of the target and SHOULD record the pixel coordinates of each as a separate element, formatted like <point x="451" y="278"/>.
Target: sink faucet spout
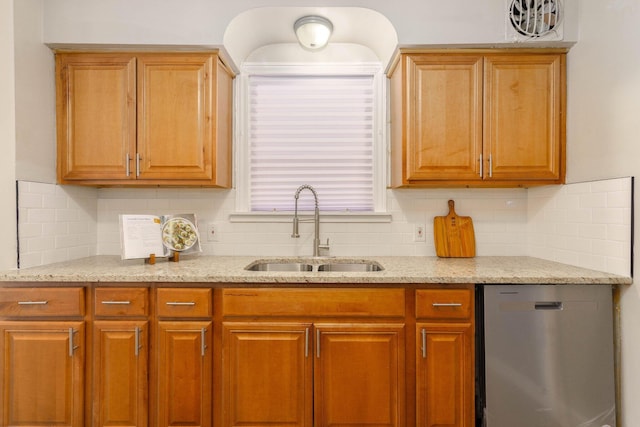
<point x="316" y="220"/>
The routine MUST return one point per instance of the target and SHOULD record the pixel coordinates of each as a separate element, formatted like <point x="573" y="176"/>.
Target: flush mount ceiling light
<point x="313" y="32"/>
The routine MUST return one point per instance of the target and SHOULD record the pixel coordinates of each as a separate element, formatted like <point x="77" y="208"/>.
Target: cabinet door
<point x="267" y="377"/>
<point x="444" y="138"/>
<point x="175" y="127"/>
<point x="42" y="375"/>
<point x="120" y="357"/>
<point x="359" y="375"/>
<point x="523" y="117"/>
<point x="184" y="374"/>
<point x="96" y="116"/>
<point x="445" y="377"/>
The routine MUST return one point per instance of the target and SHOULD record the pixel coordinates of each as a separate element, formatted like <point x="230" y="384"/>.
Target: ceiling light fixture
<point x="313" y="32"/>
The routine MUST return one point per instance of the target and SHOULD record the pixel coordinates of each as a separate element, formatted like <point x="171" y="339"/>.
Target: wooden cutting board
<point x="453" y="235"/>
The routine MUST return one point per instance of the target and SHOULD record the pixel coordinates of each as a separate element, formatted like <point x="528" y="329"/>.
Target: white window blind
<point x="315" y="130"/>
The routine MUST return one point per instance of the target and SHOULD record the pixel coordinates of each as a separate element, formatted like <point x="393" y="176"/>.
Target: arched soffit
<point x="260" y="27"/>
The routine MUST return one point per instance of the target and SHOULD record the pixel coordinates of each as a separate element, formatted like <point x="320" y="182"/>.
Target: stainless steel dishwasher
<point x="548" y="358"/>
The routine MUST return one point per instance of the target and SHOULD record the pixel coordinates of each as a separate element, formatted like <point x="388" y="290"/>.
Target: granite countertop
<point x="398" y="270"/>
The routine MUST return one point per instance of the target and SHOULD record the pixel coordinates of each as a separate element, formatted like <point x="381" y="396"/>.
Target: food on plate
<point x="179" y="234"/>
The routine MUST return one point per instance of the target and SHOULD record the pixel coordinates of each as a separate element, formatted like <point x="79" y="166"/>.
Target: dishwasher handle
<point x="548" y="305"/>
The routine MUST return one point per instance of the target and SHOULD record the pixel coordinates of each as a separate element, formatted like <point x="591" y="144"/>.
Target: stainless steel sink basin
<point x="351" y="266"/>
<point x="315" y="265"/>
<point x="280" y="266"/>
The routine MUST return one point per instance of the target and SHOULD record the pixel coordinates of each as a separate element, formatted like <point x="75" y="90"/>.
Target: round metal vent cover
<point x="535" y="18"/>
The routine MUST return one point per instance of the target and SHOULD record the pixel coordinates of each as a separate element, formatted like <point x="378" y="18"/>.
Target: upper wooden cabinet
<point x="144" y="119"/>
<point x="478" y="118"/>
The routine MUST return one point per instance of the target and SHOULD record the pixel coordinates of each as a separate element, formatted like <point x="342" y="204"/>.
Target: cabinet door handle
<point x="72" y="347"/>
<point x="481" y="166"/>
<point x="137" y="343"/>
<point x="137" y="164"/>
<point x="318" y="343"/>
<point x="33" y="302"/>
<point x="203" y="344"/>
<point x="446" y="304"/>
<point x="115" y="302"/>
<point x="127" y="166"/>
<point x="179" y="303"/>
<point x="306" y="342"/>
<point x="424" y="343"/>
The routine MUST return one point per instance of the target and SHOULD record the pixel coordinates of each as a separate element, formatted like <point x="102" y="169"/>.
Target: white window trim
<point x="241" y="150"/>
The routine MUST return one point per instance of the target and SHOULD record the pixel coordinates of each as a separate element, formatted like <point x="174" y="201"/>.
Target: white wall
<point x="7" y="138"/>
<point x="35" y="96"/>
<point x="204" y="21"/>
<point x="603" y="129"/>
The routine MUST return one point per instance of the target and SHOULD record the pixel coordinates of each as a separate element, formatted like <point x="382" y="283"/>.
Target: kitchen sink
<point x="323" y="265"/>
<point x="351" y="266"/>
<point x="279" y="266"/>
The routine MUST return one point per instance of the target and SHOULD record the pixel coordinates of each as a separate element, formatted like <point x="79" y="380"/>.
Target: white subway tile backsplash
<point x="55" y="223"/>
<point x="585" y="224"/>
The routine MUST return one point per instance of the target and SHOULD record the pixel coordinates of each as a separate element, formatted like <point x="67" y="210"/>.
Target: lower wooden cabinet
<point x="351" y="374"/>
<point x="359" y="375"/>
<point x="184" y="367"/>
<point x="120" y="367"/>
<point x="260" y="357"/>
<point x="42" y="375"/>
<point x="267" y="374"/>
<point x="444" y="377"/>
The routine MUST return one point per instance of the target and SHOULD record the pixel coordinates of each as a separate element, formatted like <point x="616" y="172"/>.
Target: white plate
<point x="179" y="234"/>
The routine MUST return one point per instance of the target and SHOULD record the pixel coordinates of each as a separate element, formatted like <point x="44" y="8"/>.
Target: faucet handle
<point x="324" y="247"/>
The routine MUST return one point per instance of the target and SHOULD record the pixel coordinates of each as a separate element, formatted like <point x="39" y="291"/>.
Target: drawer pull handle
<point x="446" y="304"/>
<point x="33" y="302"/>
<point x="178" y="303"/>
<point x="116" y="302"/>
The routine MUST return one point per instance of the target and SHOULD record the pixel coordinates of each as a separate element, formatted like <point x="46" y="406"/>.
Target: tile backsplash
<point x="55" y="223"/>
<point x="586" y="224"/>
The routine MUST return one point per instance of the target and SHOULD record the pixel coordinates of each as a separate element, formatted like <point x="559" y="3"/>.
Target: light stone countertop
<point x="397" y="270"/>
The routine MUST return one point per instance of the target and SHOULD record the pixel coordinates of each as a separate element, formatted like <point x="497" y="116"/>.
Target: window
<point x="316" y="128"/>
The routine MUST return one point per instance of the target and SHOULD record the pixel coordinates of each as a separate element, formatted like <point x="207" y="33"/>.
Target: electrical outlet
<point x="418" y="233"/>
<point x="211" y="232"/>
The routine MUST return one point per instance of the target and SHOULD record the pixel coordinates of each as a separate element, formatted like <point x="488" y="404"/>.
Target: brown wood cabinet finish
<point x="261" y="356"/>
<point x="444" y="375"/>
<point x="144" y="118"/>
<point x="120" y="369"/>
<point x="359" y="374"/>
<point x="478" y="118"/>
<point x="42" y="375"/>
<point x="444" y="358"/>
<point x="184" y="382"/>
<point x="268" y="374"/>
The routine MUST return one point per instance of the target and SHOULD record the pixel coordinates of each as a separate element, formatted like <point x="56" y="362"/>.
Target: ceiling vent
<point x="533" y="20"/>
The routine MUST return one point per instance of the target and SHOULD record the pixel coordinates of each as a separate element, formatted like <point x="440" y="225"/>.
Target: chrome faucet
<point x="316" y="220"/>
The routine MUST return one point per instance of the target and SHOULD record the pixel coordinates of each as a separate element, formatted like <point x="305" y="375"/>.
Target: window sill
<point x="333" y="217"/>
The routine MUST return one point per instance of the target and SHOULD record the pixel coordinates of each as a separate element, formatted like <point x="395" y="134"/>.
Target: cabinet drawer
<point x="41" y="302"/>
<point x="184" y="302"/>
<point x="121" y="302"/>
<point x="314" y="302"/>
<point x="444" y="303"/>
